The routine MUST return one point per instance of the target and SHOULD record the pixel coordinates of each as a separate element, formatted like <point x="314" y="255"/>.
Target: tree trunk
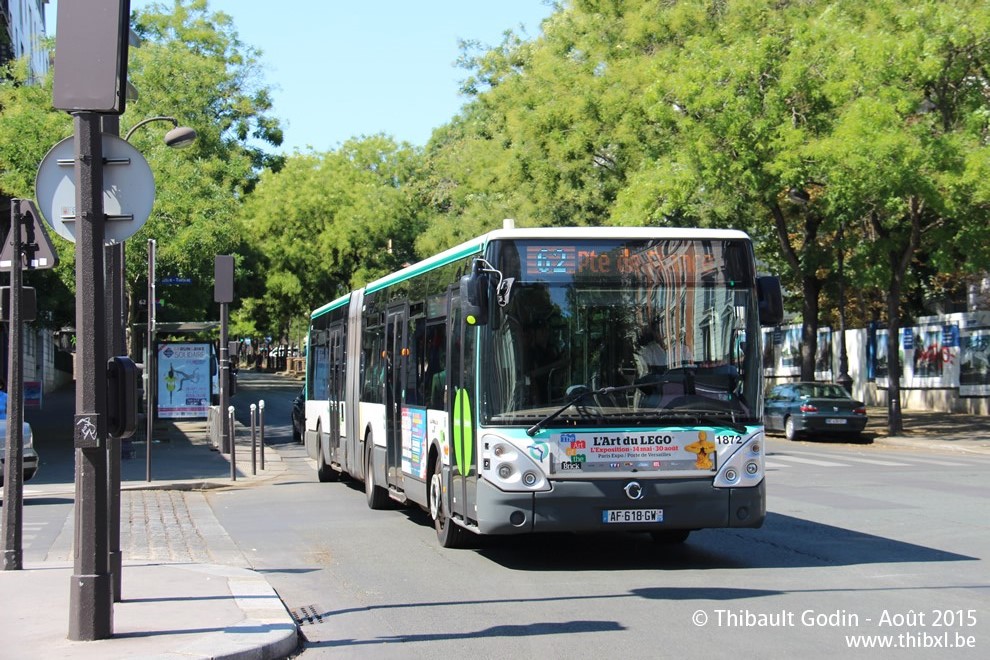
<point x="811" y="288"/>
<point x="895" y="421"/>
<point x="899" y="262"/>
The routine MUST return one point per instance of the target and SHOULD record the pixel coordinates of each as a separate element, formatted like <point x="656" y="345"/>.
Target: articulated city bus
<point x="536" y="380"/>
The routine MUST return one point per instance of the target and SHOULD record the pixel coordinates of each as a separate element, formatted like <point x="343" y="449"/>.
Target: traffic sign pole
<point x="90" y="595"/>
<point x="13" y="496"/>
<point x="27" y="246"/>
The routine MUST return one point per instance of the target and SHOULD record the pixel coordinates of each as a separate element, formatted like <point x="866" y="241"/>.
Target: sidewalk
<point x="186" y="588"/>
<point x="923" y="429"/>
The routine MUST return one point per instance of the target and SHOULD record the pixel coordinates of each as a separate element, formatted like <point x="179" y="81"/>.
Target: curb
<point x="264" y="615"/>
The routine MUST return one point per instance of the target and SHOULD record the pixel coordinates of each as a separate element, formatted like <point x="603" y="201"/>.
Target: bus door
<point x="396" y="346"/>
<point x="461" y="339"/>
<point x="335" y="347"/>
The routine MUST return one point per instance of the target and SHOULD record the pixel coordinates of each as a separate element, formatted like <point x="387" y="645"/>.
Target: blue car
<point x="803" y="408"/>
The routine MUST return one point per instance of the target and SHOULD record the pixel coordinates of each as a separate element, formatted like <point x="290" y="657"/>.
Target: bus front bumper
<point x="578" y="506"/>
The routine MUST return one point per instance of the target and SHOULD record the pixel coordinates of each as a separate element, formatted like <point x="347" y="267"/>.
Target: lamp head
<point x="180" y="137"/>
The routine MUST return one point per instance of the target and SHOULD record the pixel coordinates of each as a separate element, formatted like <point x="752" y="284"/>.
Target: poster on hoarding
<point x="974" y="362"/>
<point x="823" y="355"/>
<point x="184" y="380"/>
<point x="929" y="357"/>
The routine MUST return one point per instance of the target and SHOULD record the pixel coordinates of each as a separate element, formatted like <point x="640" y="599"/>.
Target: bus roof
<point x="477" y="245"/>
<point x="339" y="302"/>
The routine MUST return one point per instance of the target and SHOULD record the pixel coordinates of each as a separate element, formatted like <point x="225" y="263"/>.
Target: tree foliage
<point x="29" y="127"/>
<point x="192" y="65"/>
<point x="329" y="222"/>
<point x="825" y="128"/>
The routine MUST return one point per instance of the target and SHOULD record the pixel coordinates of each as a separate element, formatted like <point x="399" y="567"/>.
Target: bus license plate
<point x="833" y="420"/>
<point x="632" y="516"/>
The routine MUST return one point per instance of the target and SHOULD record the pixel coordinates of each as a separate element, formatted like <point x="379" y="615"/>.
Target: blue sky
<point x="346" y="68"/>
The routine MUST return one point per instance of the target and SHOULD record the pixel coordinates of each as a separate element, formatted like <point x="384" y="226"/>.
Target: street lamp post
<point x="843" y="379"/>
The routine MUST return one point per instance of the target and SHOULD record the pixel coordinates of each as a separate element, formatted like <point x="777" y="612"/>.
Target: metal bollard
<point x="261" y="416"/>
<point x="254" y="441"/>
<point x="233" y="446"/>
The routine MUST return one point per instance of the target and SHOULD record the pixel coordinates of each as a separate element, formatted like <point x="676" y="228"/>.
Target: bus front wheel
<point x="449" y="533"/>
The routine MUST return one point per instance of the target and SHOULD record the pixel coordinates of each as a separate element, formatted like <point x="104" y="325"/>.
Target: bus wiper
<point x="700" y="416"/>
<point x="584" y="392"/>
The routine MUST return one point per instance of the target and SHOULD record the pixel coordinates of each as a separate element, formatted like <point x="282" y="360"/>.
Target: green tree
<point x="820" y="102"/>
<point x="192" y="65"/>
<point x="330" y="222"/>
<point x="29" y="127"/>
<point x="907" y="158"/>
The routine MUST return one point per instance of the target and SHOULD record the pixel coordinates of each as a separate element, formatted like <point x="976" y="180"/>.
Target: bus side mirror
<point x="770" y="300"/>
<point x="474" y="296"/>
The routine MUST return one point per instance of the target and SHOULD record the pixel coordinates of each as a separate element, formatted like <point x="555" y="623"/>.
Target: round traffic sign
<point x="128" y="189"/>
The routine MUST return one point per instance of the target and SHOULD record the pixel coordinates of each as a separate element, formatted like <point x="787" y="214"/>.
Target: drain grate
<point x="308" y="615"/>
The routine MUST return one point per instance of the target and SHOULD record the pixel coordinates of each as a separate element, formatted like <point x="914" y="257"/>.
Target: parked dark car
<point x="299" y="416"/>
<point x="805" y="408"/>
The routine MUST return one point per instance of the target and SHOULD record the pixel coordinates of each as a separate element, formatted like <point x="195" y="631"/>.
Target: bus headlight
<point x="512" y="469"/>
<point x="744" y="467"/>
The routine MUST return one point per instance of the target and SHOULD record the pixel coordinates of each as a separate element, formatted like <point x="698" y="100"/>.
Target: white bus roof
<point x="477" y="245"/>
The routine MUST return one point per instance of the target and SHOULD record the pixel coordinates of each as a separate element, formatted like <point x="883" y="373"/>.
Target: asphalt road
<point x="864" y="544"/>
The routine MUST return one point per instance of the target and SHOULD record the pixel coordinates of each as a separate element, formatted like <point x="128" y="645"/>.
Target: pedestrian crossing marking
<point x="778" y="461"/>
<point x="857" y="459"/>
<point x="808" y="461"/>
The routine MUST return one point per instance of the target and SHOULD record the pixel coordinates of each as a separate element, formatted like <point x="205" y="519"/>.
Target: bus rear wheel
<point x="449" y="533"/>
<point x="324" y="472"/>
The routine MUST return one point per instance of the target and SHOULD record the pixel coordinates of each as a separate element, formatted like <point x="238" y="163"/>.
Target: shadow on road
<point x="783" y="542"/>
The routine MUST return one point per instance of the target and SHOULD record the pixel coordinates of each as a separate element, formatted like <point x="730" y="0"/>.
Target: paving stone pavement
<point x="174" y="526"/>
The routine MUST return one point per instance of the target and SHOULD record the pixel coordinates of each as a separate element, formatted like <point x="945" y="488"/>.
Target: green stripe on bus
<point x="425" y="267"/>
<point x="463" y="431"/>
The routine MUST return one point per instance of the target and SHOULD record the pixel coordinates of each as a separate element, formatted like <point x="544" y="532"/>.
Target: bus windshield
<point x="631" y="332"/>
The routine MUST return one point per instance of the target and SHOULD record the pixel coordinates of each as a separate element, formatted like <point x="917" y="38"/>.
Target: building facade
<point x="24" y="34"/>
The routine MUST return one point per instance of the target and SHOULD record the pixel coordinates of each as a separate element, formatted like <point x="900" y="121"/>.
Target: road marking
<point x="809" y="461"/>
<point x="930" y="461"/>
<point x="856" y="459"/>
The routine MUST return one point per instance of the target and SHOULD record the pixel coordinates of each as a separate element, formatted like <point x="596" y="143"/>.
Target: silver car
<point x="30" y="455"/>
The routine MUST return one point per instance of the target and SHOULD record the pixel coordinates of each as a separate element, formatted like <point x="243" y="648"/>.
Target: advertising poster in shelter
<point x="184" y="380"/>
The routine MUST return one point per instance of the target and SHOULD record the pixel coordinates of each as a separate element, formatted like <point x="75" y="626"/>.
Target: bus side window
<point x="373" y="381"/>
<point x="414" y="390"/>
<point x="435" y="376"/>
